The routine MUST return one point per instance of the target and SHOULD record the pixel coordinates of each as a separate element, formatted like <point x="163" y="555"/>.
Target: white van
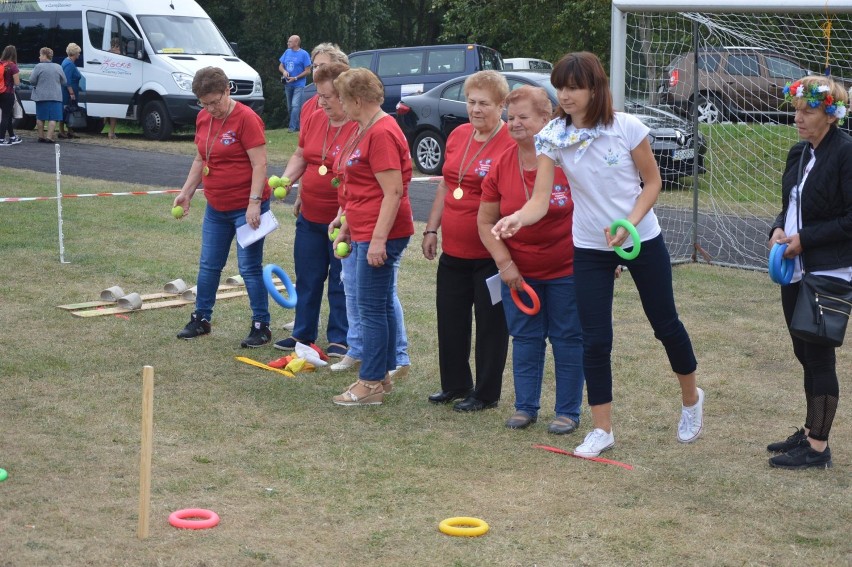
<point x="157" y="46"/>
<point x="526" y="63"/>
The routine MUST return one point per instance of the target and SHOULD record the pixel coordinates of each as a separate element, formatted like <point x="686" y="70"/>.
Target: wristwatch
<point x="253" y="198"/>
<point x="425" y="232"/>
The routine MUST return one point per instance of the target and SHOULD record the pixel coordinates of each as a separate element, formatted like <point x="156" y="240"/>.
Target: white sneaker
<point x="596" y="442"/>
<point x="346" y="363"/>
<point x="691" y="421"/>
<point x="289" y="326"/>
<point x="15" y="140"/>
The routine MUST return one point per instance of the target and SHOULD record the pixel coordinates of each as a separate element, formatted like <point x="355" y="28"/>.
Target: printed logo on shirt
<point x="229" y="137"/>
<point x="559" y="196"/>
<point x="611" y="157"/>
<point x="353" y="159"/>
<point x="484" y="167"/>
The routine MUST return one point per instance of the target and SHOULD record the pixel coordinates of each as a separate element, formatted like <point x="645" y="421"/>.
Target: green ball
<point x="342" y="249"/>
<point x="333" y="234"/>
<point x="177" y="212"/>
<point x="280" y="192"/>
<point x="274" y="181"/>
<point x="342" y="218"/>
<point x="285" y="181"/>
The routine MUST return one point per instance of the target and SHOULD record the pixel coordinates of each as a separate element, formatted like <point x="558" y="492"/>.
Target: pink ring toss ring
<point x="536" y="303"/>
<point x="206" y="519"/>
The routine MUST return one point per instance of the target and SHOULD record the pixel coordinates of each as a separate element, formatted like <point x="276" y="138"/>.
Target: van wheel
<point x="28" y="122"/>
<point x="429" y="153"/>
<point x="156" y="124"/>
<point x="710" y="110"/>
<point x="94" y="125"/>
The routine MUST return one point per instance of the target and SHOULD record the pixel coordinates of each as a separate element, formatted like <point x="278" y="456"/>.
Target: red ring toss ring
<point x="463" y="526"/>
<point x="536" y="303"/>
<point x="181" y="519"/>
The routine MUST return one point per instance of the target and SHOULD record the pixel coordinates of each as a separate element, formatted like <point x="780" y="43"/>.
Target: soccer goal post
<point x="744" y="52"/>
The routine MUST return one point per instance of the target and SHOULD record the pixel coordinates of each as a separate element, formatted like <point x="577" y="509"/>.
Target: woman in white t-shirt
<point x="613" y="175"/>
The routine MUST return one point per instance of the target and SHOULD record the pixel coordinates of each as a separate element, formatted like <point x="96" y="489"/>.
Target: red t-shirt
<point x="9" y="76"/>
<point x="227" y="186"/>
<point x="460" y="236"/>
<point x="319" y="196"/>
<point x="383" y="147"/>
<point x="310" y="106"/>
<point x="545" y="250"/>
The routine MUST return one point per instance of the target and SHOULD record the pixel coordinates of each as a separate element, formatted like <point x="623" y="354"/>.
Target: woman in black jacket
<point x="821" y="238"/>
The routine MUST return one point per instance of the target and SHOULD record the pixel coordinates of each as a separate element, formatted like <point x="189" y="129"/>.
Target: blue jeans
<point x="375" y="306"/>
<point x="314" y="263"/>
<point x="353" y="337"/>
<point x="652" y="274"/>
<point x="293" y="95"/>
<point x="557" y="320"/>
<point x="217" y="233"/>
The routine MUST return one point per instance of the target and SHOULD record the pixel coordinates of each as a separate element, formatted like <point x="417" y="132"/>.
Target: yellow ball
<point x="280" y="192"/>
<point x="342" y="249"/>
<point x="177" y="212"/>
<point x="274" y="181"/>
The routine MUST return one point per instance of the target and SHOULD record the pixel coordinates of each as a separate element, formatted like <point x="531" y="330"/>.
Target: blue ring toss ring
<point x="637" y="243"/>
<point x="288" y="302"/>
<point x="780" y="268"/>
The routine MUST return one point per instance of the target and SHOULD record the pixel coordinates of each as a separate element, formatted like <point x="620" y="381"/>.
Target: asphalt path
<point x="727" y="240"/>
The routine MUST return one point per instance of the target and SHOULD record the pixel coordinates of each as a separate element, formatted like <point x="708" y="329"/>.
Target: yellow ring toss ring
<point x="463" y="526"/>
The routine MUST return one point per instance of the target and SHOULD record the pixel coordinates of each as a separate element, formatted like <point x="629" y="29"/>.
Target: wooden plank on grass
<point x="156" y="305"/>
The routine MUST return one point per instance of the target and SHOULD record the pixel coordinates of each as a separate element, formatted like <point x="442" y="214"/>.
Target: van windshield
<point x="183" y="34"/>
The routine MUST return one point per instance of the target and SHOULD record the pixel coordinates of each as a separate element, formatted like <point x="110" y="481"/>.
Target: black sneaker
<point x="195" y="328"/>
<point x="258" y="336"/>
<point x="789" y="443"/>
<point x="802" y="457"/>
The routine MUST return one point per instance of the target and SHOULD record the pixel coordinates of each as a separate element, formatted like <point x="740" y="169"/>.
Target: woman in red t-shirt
<point x="376" y="169"/>
<point x="11" y="78"/>
<point x="465" y="263"/>
<point x="543" y="258"/>
<point x="321" y="139"/>
<point x="231" y="163"/>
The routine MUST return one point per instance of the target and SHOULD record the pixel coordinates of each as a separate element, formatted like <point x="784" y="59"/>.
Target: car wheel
<point x="156" y="124"/>
<point x="709" y="110"/>
<point x="429" y="153"/>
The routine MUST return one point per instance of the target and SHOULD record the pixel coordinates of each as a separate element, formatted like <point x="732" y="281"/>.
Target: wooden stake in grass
<point x="147" y="450"/>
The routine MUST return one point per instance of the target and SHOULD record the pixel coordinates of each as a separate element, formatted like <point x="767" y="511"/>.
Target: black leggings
<point x="7" y="106"/>
<point x="822" y="390"/>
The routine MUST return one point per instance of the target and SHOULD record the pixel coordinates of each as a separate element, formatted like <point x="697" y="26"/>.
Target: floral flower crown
<point x="816" y="95"/>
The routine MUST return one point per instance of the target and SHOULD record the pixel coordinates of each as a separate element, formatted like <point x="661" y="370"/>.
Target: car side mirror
<point x="135" y="50"/>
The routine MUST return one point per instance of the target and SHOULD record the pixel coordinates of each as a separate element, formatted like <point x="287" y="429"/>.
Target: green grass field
<point x="299" y="481"/>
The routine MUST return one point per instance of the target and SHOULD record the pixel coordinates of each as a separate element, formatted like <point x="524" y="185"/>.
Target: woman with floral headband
<point x="816" y="188"/>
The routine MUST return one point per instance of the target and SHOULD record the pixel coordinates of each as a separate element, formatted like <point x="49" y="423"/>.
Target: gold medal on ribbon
<point x="323" y="169"/>
<point x="205" y="171"/>
<point x="458" y="193"/>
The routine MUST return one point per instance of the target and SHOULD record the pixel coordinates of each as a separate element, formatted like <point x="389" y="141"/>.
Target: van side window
<point x="490" y="59"/>
<point x="30" y="31"/>
<point x="108" y="33"/>
<point x="445" y="61"/>
<point x="746" y="65"/>
<point x="397" y="64"/>
<point x="783" y="69"/>
<point x="361" y="61"/>
<point x="69" y="28"/>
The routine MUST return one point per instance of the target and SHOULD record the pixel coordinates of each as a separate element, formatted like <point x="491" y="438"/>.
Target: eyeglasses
<point x="216" y="102"/>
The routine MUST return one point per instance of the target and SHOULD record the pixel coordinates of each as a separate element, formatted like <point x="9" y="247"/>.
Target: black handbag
<point x="824" y="303"/>
<point x="75" y="117"/>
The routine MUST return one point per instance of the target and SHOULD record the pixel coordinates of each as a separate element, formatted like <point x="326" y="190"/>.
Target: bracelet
<point x="253" y="198"/>
<point x="425" y="232"/>
<point x="506" y="267"/>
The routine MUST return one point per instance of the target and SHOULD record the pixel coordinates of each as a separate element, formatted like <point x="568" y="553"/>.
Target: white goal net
<point x="735" y="100"/>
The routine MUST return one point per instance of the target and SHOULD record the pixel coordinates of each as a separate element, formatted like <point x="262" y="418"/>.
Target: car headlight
<point x="183" y="81"/>
<point x="258" y="86"/>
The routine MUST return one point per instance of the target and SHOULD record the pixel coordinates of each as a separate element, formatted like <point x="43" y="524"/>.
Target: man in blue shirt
<point x="294" y="65"/>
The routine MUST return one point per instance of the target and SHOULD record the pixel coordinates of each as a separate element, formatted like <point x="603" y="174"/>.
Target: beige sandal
<point x="361" y="393"/>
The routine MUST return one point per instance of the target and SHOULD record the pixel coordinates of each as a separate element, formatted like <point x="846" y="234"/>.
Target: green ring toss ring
<point x="637" y="243"/>
<point x="3" y="475"/>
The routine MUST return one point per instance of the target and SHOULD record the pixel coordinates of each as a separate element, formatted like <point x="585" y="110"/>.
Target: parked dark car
<point x="734" y="83"/>
<point x="427" y="120"/>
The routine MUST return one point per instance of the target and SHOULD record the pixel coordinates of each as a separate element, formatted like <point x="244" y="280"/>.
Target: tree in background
<point x="546" y="29"/>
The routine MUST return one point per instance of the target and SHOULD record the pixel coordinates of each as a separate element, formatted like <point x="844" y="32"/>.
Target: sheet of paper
<point x="494" y="284"/>
<point x="246" y="235"/>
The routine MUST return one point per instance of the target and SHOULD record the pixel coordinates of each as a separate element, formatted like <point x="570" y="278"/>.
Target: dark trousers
<point x="7" y="105"/>
<point x="460" y="287"/>
<point x="652" y="273"/>
<point x="822" y="389"/>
